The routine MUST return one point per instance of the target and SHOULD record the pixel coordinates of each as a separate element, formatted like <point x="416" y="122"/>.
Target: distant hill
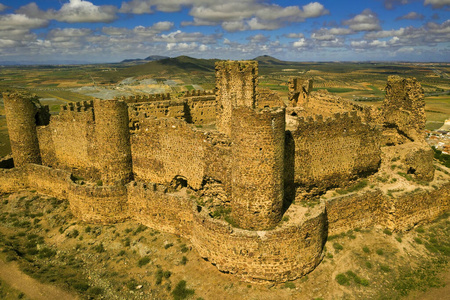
<point x="144" y="60"/>
<point x="269" y="60"/>
<point x="171" y="66"/>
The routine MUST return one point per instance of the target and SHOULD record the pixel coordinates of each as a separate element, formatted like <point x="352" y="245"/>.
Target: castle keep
<point x="232" y="170"/>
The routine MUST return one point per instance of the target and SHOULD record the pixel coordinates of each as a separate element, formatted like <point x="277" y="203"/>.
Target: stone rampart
<point x="69" y="141"/>
<point x="331" y="152"/>
<point x="201" y="110"/>
<point x="284" y="253"/>
<point x="400" y="212"/>
<point x="160" y="109"/>
<point x="99" y="204"/>
<point x="48" y="181"/>
<point x="151" y="205"/>
<point x="163" y="149"/>
<point x="145" y="98"/>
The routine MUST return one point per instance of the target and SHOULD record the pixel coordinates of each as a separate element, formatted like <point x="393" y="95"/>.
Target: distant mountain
<point x="170" y="66"/>
<point x="269" y="60"/>
<point x="144" y="60"/>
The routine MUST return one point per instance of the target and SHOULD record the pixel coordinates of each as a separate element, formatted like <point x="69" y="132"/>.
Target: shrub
<point x="289" y="285"/>
<point x="366" y="249"/>
<point x="181" y="292"/>
<point x="337" y="246"/>
<point x="95" y="291"/>
<point x="418" y="240"/>
<point x="143" y="261"/>
<point x="387" y="231"/>
<point x="184" y="260"/>
<point x="385" y="268"/>
<point x="368" y="265"/>
<point x="380" y="251"/>
<point x="342" y="279"/>
<point x="99" y="248"/>
<point x="159" y="276"/>
<point x="183" y="248"/>
<point x="167" y="246"/>
<point x="87" y="229"/>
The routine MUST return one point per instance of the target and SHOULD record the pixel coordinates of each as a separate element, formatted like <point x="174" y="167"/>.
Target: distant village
<point x="440" y="138"/>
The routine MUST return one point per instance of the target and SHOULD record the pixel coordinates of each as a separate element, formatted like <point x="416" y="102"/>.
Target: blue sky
<point x="325" y="30"/>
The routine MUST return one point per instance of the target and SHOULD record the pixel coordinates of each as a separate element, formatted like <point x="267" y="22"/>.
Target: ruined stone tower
<point x="257" y="166"/>
<point x="113" y="141"/>
<point x="21" y="118"/>
<point x="299" y="90"/>
<point x="404" y="107"/>
<point x="236" y="83"/>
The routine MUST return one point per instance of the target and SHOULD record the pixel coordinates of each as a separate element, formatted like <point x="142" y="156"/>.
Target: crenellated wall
<point x="163" y="149"/>
<point x="160" y="109"/>
<point x="68" y="142"/>
<point x="331" y="152"/>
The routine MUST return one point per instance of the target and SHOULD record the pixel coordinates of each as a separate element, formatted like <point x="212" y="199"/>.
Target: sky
<point x="98" y="31"/>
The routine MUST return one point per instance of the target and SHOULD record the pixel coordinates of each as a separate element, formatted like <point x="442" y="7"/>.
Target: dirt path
<point x="11" y="274"/>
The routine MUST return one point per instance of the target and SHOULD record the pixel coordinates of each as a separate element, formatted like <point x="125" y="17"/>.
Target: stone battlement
<point x="198" y="93"/>
<point x="77" y="106"/>
<point x="145" y="98"/>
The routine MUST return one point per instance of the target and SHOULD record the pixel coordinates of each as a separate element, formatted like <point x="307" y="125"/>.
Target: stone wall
<point x="236" y="83"/>
<point x="73" y="136"/>
<point x="145" y="98"/>
<point x="99" y="204"/>
<point x="150" y="205"/>
<point x="299" y="90"/>
<point x="46" y="146"/>
<point x="163" y="149"/>
<point x="400" y="212"/>
<point x="201" y="110"/>
<point x="21" y="119"/>
<point x="48" y="181"/>
<point x="257" y="166"/>
<point x="12" y="180"/>
<point x="284" y="253"/>
<point x="331" y="152"/>
<point x="358" y="210"/>
<point x="268" y="98"/>
<point x="160" y="109"/>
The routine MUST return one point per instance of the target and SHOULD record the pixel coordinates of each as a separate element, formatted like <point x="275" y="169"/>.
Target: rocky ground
<point x="39" y="238"/>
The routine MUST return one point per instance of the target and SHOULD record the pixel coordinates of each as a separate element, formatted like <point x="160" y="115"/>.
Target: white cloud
<point x="295" y="35"/>
<point x="259" y="38"/>
<point x="232" y="15"/>
<point x="389" y="4"/>
<point x="314" y="10"/>
<point x="437" y="3"/>
<point x="411" y="16"/>
<point x="234" y="26"/>
<point x="325" y="34"/>
<point x="20" y="21"/>
<point x="300" y="43"/>
<point x="365" y="21"/>
<point x="75" y="11"/>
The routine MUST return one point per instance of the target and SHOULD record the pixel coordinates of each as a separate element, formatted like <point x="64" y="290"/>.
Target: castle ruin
<point x="236" y="189"/>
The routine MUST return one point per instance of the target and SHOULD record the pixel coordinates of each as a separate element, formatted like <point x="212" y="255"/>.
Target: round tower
<point x="21" y="119"/>
<point x="113" y="141"/>
<point x="258" y="167"/>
